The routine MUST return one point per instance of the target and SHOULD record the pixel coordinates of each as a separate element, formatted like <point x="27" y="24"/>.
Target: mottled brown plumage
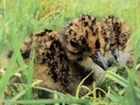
<point x="82" y="38"/>
<point x="51" y="63"/>
<point x="119" y="36"/>
<point x="120" y="32"/>
<point x="63" y="60"/>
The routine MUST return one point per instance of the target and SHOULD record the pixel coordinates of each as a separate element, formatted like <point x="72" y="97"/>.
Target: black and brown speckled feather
<point x="63" y="60"/>
<point x="119" y="37"/>
<point x="120" y="32"/>
<point x="82" y="37"/>
<point x="51" y="62"/>
<point x="53" y="65"/>
<point x="84" y="30"/>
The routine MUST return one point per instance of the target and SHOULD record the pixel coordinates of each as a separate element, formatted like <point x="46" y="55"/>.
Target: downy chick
<point x="119" y="43"/>
<point x="83" y="38"/>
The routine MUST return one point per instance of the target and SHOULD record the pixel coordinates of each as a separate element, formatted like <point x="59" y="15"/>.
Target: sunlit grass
<point x="19" y="18"/>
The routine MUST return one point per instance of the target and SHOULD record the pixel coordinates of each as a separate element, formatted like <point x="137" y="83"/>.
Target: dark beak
<point x="115" y="53"/>
<point x="99" y="60"/>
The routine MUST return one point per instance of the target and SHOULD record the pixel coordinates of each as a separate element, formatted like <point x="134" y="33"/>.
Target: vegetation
<point x="19" y="18"/>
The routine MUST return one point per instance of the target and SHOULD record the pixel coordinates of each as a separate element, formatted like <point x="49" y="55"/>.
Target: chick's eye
<point x="74" y="44"/>
<point x="106" y="39"/>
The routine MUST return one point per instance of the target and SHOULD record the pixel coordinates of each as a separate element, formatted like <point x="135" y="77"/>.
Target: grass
<point x="19" y="18"/>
